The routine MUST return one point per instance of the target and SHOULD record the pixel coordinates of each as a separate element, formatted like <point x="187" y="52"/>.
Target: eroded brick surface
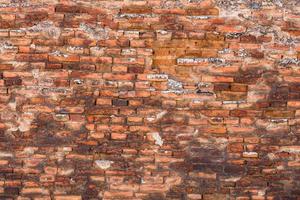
<point x="149" y="100"/>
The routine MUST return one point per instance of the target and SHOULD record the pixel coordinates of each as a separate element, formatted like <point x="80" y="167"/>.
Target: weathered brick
<point x="118" y="136"/>
<point x="221" y="87"/>
<point x="11" y="190"/>
<point x="199" y="11"/>
<point x="279" y="113"/>
<point x="191" y="99"/>
<point x="120" y="102"/>
<point x="13" y="81"/>
<point x="250" y="154"/>
<point x="219" y="79"/>
<point x="31" y="57"/>
<point x="102" y="101"/>
<point x="236" y="147"/>
<point x="67" y="8"/>
<point x="231" y="96"/>
<point x="116" y="194"/>
<point x="136" y="9"/>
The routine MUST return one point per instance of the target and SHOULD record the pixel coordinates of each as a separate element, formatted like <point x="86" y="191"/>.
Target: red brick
<point x="31" y="57"/>
<point x="197" y="11"/>
<point x="118" y="136"/>
<point x="136" y="9"/>
<point x="280" y="114"/>
<point x="67" y="8"/>
<point x="102" y="101"/>
<point x="219" y="79"/>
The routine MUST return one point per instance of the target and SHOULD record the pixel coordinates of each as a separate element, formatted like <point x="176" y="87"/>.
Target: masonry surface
<point x="150" y="100"/>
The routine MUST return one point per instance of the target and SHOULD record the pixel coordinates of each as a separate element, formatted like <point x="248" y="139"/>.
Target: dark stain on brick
<point x="13" y="81"/>
<point x="120" y="102"/>
<point x="155" y="196"/>
<point x="11" y="190"/>
<point x="35" y="17"/>
<point x="249" y="76"/>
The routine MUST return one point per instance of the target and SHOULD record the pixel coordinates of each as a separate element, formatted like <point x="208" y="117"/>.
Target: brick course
<point x="149" y="100"/>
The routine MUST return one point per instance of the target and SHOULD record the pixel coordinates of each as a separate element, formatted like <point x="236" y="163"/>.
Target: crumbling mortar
<point x="289" y="61"/>
<point x="236" y="4"/>
<point x="59" y="53"/>
<point x="126" y="15"/>
<point x="6" y="46"/>
<point x="47" y="27"/>
<point x="169" y="4"/>
<point x="98" y="32"/>
<point x="22" y="4"/>
<point x="217" y="61"/>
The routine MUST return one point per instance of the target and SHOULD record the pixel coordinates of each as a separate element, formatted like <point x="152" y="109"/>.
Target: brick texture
<point x="150" y="99"/>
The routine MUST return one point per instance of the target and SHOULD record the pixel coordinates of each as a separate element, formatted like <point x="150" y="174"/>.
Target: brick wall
<point x="150" y="100"/>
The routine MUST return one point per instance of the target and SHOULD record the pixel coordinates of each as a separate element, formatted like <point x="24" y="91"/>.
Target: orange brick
<point x="118" y="136"/>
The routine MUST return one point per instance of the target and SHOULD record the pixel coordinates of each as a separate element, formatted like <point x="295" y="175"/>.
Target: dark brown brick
<point x="13" y="81"/>
<point x="120" y="102"/>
